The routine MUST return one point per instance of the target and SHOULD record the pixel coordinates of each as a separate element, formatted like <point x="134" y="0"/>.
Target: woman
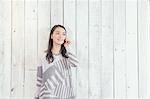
<point x="54" y="69"/>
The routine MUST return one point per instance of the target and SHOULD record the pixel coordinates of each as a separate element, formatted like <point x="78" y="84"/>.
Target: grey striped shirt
<point x="54" y="80"/>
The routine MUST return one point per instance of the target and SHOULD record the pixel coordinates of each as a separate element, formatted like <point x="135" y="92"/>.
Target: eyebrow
<point x="59" y="31"/>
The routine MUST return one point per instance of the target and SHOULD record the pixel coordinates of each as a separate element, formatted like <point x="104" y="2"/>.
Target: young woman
<point x="54" y="70"/>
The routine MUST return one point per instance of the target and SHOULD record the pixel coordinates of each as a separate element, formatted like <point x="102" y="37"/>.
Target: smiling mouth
<point x="59" y="40"/>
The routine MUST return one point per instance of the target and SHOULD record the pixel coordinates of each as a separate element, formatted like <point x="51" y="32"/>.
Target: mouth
<point x="60" y="40"/>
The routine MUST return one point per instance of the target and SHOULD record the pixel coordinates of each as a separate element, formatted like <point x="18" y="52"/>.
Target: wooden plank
<point x="57" y="12"/>
<point x="95" y="41"/>
<point x="143" y="35"/>
<point x="30" y="48"/>
<point x="131" y="49"/>
<point x="107" y="76"/>
<point x="119" y="50"/>
<point x="43" y="25"/>
<point x="148" y="54"/>
<point x="70" y="25"/>
<point x="82" y="49"/>
<point x="5" y="49"/>
<point x="17" y="80"/>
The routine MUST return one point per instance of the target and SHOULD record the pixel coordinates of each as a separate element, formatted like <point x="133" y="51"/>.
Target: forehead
<point x="59" y="29"/>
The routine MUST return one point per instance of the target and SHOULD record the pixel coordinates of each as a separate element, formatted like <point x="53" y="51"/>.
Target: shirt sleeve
<point x="38" y="79"/>
<point x="73" y="60"/>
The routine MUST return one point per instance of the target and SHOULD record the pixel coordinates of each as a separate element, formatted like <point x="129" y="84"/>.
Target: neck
<point x="56" y="49"/>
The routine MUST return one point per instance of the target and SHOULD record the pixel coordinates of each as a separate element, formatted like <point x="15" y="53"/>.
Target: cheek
<point x="54" y="38"/>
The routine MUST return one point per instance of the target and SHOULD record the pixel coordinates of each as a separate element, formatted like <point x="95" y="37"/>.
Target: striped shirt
<point x="54" y="80"/>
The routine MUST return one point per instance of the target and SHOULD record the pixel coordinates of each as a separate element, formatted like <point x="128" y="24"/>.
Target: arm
<point x="73" y="60"/>
<point x="38" y="80"/>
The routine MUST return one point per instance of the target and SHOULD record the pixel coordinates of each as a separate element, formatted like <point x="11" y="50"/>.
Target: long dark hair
<point x="49" y="55"/>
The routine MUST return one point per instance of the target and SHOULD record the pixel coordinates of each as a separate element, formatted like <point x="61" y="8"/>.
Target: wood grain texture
<point x="107" y="67"/>
<point x="131" y="48"/>
<point x="120" y="49"/>
<point x="18" y="49"/>
<point x="143" y="45"/>
<point x="5" y="49"/>
<point x="95" y="49"/>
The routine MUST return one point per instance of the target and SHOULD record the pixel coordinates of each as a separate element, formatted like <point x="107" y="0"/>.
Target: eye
<point x="57" y="32"/>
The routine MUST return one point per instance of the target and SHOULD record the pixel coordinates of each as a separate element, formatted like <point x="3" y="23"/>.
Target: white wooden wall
<point x="111" y="39"/>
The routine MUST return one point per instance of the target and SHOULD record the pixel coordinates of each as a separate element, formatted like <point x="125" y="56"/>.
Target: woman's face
<point x="58" y="36"/>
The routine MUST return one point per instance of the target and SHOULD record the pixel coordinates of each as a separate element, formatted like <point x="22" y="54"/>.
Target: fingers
<point x="68" y="40"/>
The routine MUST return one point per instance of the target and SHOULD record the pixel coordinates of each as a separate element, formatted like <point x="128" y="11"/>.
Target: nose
<point x="61" y="36"/>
